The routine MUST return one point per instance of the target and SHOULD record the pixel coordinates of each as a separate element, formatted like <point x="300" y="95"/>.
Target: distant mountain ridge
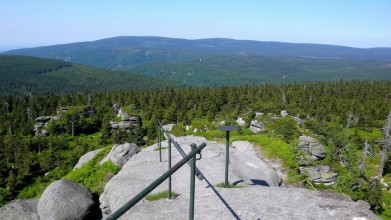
<point x="212" y="46"/>
<point x="219" y="61"/>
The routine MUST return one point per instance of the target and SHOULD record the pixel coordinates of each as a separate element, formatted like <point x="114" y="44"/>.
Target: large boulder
<point x="120" y="154"/>
<point x="86" y="157"/>
<point x="257" y="126"/>
<point x="20" y="209"/>
<point x="64" y="199"/>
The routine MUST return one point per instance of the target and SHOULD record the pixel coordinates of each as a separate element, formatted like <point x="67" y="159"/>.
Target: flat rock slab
<point x="20" y="209"/>
<point x="254" y="200"/>
<point x="86" y="157"/>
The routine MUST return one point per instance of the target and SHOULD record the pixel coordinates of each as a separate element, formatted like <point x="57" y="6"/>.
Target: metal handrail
<point x="180" y="150"/>
<point x="158" y="181"/>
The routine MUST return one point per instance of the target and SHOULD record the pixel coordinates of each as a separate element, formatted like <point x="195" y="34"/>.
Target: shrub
<point x="3" y="196"/>
<point x="179" y="130"/>
<point x="92" y="175"/>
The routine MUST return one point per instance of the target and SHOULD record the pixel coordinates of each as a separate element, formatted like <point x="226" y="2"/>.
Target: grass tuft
<point x="161" y="195"/>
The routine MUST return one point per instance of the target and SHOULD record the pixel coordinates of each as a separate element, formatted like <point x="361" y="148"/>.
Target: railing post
<point x="226" y="157"/>
<point x="160" y="143"/>
<point x="169" y="167"/>
<point x="192" y="183"/>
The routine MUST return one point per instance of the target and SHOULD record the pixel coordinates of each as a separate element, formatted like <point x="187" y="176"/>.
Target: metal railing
<point x="190" y="159"/>
<point x="161" y="179"/>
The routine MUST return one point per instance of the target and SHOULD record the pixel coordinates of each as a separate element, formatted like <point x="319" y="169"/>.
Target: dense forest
<point x="30" y="161"/>
<point x="29" y="75"/>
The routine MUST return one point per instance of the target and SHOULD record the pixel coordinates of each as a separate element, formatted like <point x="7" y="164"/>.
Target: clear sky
<point x="357" y="23"/>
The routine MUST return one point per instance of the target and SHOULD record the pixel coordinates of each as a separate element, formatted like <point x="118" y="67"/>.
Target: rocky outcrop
<point x="120" y="154"/>
<point x="64" y="199"/>
<point x="257" y="126"/>
<point x="42" y="119"/>
<point x="310" y="150"/>
<point x="246" y="169"/>
<point x="252" y="201"/>
<point x="124" y="124"/>
<point x="41" y="123"/>
<point x="127" y="122"/>
<point x="20" y="209"/>
<point x="320" y="174"/>
<point x="86" y="157"/>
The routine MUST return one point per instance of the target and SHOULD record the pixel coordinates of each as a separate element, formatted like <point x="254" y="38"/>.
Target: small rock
<point x="168" y="127"/>
<point x="240" y="121"/>
<point x="258" y="114"/>
<point x="284" y="113"/>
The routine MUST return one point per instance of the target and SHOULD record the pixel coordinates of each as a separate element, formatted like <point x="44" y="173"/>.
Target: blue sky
<point x="357" y="23"/>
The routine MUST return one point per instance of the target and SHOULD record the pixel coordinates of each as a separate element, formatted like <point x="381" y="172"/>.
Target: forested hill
<point x="209" y="62"/>
<point x="181" y="49"/>
<point x="20" y="75"/>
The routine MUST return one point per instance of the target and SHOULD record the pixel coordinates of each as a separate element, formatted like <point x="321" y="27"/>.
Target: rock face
<point x="41" y="122"/>
<point x="86" y="157"/>
<point x="257" y="126"/>
<point x="64" y="199"/>
<point x="252" y="201"/>
<point x="126" y="122"/>
<point x="42" y="119"/>
<point x="120" y="154"/>
<point x="320" y="174"/>
<point x="311" y="150"/>
<point x="20" y="209"/>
